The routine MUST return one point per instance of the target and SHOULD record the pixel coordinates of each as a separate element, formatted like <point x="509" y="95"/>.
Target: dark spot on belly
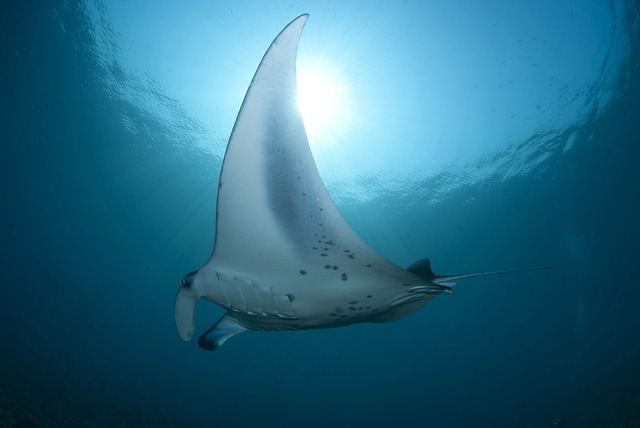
<point x="325" y="249"/>
<point x="352" y="308"/>
<point x="334" y="267"/>
<point x="303" y="272"/>
<point x="346" y="251"/>
<point x="369" y="296"/>
<point x="344" y="276"/>
<point x="353" y="302"/>
<point x="351" y="256"/>
<point x="327" y="266"/>
<point x="368" y="307"/>
<point x="368" y="265"/>
<point x="315" y="248"/>
<point x="323" y="255"/>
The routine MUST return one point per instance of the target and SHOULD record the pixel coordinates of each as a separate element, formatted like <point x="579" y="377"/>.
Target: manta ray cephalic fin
<point x="226" y="327"/>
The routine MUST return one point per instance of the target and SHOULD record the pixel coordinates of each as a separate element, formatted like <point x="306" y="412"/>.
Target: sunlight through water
<point x="321" y="101"/>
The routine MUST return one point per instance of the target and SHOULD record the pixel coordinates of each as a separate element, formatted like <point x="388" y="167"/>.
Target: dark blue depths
<point x="98" y="225"/>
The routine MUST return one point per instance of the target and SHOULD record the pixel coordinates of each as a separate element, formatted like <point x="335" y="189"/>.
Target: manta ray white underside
<point x="284" y="257"/>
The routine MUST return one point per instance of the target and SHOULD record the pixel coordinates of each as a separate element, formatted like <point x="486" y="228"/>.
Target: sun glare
<point x="320" y="100"/>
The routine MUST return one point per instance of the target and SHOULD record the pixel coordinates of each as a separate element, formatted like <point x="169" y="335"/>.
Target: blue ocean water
<point x="484" y="135"/>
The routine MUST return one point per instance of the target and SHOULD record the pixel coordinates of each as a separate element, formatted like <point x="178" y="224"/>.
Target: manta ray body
<point x="284" y="258"/>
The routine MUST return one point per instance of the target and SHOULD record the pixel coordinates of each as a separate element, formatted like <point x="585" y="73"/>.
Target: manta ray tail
<point x="422" y="268"/>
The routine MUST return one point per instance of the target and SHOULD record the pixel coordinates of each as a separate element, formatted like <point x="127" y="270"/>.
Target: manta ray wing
<point x="272" y="206"/>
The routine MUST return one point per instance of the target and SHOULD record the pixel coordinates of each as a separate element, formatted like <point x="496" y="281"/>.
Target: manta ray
<point x="284" y="258"/>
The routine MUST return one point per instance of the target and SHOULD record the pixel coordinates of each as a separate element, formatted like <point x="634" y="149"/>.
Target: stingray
<point x="284" y="258"/>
